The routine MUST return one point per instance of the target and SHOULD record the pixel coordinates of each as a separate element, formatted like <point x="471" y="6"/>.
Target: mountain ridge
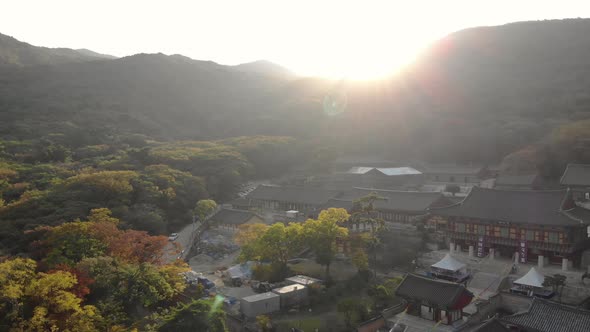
<point x="17" y="53"/>
<point x="475" y="95"/>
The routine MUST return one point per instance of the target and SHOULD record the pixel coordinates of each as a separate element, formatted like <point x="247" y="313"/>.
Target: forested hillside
<point x="17" y="53"/>
<point x="101" y="155"/>
<point x="146" y="135"/>
<point x="476" y="95"/>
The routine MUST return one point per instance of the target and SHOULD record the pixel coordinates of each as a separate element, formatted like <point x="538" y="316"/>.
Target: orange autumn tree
<point x="71" y="242"/>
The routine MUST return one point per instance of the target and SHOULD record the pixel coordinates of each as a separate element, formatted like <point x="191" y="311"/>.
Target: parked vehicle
<point x="207" y="284"/>
<point x="173" y="237"/>
<point x="261" y="286"/>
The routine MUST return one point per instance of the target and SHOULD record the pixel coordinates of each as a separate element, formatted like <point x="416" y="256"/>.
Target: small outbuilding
<point x="437" y="300"/>
<point x="260" y="304"/>
<point x="303" y="280"/>
<point x="449" y="269"/>
<point x="292" y="295"/>
<point x="531" y="284"/>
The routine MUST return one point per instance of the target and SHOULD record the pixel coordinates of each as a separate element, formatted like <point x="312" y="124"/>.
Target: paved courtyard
<point x="488" y="273"/>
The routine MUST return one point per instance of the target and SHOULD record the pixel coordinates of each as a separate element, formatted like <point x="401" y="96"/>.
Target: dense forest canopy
<point x="147" y="135"/>
<point x="474" y="96"/>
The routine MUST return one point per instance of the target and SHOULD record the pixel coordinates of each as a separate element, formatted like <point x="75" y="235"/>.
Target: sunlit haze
<point x="353" y="39"/>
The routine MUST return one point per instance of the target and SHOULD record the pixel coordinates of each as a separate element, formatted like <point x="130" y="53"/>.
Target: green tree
<point x="360" y="260"/>
<point x="70" y="242"/>
<point x="15" y="275"/>
<point x="204" y="207"/>
<point x="323" y="234"/>
<point x="32" y="301"/>
<point x="264" y="323"/>
<point x="383" y="294"/>
<point x="353" y="310"/>
<point x="275" y="244"/>
<point x="556" y="282"/>
<point x="363" y="212"/>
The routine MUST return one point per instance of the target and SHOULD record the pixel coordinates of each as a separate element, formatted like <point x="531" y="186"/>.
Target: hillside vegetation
<point x="474" y="96"/>
<point x="159" y="124"/>
<point x="17" y="53"/>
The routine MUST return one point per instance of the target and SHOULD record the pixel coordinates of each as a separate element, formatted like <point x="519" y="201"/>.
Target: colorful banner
<point x="522" y="252"/>
<point x="481" y="247"/>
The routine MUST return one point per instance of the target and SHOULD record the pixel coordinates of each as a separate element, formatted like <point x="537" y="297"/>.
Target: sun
<point x="357" y="62"/>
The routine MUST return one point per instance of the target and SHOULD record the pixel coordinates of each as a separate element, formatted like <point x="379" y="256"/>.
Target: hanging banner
<point x="523" y="252"/>
<point x="481" y="246"/>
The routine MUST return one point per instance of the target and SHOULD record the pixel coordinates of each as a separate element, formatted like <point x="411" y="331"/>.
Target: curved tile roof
<point x="514" y="206"/>
<point x="547" y="316"/>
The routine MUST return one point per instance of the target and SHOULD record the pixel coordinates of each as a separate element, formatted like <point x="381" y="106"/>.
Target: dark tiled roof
<point x="576" y="175"/>
<point x="547" y="316"/>
<point x="579" y="213"/>
<point x="411" y="201"/>
<point x="516" y="180"/>
<point x="304" y="195"/>
<point x="491" y="325"/>
<point x="443" y="294"/>
<point x="452" y="169"/>
<point x="240" y="201"/>
<point x="338" y="203"/>
<point x="516" y="206"/>
<point x="232" y="217"/>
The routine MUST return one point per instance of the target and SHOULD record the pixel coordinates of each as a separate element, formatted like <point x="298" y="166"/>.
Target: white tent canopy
<point x="532" y="278"/>
<point x="448" y="263"/>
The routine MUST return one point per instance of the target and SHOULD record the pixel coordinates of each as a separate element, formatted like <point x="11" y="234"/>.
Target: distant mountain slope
<point x="17" y="53"/>
<point x="476" y="95"/>
<point x="264" y="67"/>
<point x="90" y="53"/>
<point x="153" y="94"/>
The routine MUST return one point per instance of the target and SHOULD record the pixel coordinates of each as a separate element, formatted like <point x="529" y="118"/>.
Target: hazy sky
<point x="325" y="38"/>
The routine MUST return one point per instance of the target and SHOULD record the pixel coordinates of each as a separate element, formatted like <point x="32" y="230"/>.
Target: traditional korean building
<point x="544" y="225"/>
<point x="547" y="316"/>
<point x="435" y="300"/>
<point x="455" y="174"/>
<point x="577" y="178"/>
<point x="284" y="198"/>
<point x="491" y="325"/>
<point x="231" y="219"/>
<point x="392" y="205"/>
<point x="518" y="182"/>
<point x="374" y="177"/>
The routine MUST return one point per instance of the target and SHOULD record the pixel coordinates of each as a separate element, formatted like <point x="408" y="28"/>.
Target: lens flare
<point x="216" y="303"/>
<point x="335" y="104"/>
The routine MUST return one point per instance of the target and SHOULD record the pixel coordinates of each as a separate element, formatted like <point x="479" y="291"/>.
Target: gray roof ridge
<point x="452" y="205"/>
<point x="440" y="281"/>
<point x="563" y="200"/>
<point x="397" y="191"/>
<point x="543" y="191"/>
<point x="554" y="304"/>
<point x="566" y="213"/>
<point x="568" y="166"/>
<point x="459" y="287"/>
